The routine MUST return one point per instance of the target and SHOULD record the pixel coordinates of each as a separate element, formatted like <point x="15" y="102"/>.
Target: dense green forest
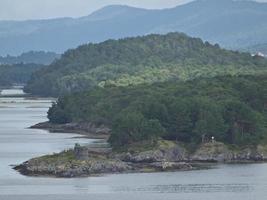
<point x="37" y="57"/>
<point x="17" y="74"/>
<point x="232" y="109"/>
<point x="133" y="61"/>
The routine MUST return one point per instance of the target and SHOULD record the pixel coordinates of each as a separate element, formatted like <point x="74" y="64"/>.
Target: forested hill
<point x="132" y="61"/>
<point x="17" y="73"/>
<point x="18" y="69"/>
<point x="37" y="57"/>
<point x="233" y="109"/>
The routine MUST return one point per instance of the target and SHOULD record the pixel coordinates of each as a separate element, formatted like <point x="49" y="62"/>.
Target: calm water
<point x="17" y="144"/>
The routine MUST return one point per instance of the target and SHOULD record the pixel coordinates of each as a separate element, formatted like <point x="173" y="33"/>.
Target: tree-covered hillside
<point x="17" y="74"/>
<point x="132" y="61"/>
<point x="232" y="109"/>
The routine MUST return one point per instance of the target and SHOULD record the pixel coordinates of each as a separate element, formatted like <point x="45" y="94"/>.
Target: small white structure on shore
<point x="259" y="54"/>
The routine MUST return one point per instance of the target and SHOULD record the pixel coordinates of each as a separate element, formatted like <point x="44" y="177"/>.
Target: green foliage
<point x="58" y="114"/>
<point x="209" y="120"/>
<point x="231" y="109"/>
<point x="17" y="74"/>
<point x="130" y="127"/>
<point x="244" y="123"/>
<point x="133" y="61"/>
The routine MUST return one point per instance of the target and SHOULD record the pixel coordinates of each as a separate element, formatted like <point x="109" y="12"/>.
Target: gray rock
<point x="163" y="166"/>
<point x="88" y="152"/>
<point x="72" y="169"/>
<point x="212" y="152"/>
<point x="219" y="152"/>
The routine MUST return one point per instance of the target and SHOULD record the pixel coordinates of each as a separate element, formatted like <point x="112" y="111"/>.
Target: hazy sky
<point x="40" y="9"/>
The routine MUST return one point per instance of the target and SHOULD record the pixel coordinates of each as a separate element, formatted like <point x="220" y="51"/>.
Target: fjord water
<point x="18" y="144"/>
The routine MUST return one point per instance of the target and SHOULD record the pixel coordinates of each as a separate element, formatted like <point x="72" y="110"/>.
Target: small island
<point x="84" y="161"/>
<point x="160" y="102"/>
<point x="192" y="125"/>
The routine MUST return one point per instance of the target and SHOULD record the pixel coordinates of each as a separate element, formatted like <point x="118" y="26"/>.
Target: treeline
<point x="231" y="109"/>
<point x="139" y="60"/>
<point x="37" y="57"/>
<point x="17" y="74"/>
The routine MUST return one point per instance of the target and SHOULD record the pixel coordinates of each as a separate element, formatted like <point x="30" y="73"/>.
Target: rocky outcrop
<point x="175" y="153"/>
<point x="262" y="150"/>
<point x="219" y="152"/>
<point x="72" y="169"/>
<point x="65" y="165"/>
<point x="164" y="156"/>
<point x="88" y="161"/>
<point x="163" y="166"/>
<point x="212" y="152"/>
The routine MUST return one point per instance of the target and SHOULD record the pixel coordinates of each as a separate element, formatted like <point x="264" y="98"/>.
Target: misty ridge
<point x="235" y="25"/>
<point x="37" y="57"/>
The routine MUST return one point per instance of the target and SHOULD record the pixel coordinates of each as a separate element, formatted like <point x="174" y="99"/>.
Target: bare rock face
<point x="174" y="153"/>
<point x="219" y="152"/>
<point x="262" y="150"/>
<point x="212" y="152"/>
<point x="72" y="168"/>
<point x="247" y="154"/>
<point x="163" y="166"/>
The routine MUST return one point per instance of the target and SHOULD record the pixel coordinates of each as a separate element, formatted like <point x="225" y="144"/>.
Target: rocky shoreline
<point x="162" y="155"/>
<point x="88" y="130"/>
<point x="84" y="161"/>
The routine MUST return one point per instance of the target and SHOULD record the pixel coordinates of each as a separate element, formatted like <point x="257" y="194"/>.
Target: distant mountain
<point x="140" y="60"/>
<point x="232" y="24"/>
<point x="37" y="57"/>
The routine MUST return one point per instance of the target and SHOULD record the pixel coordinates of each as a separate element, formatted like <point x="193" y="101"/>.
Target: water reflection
<point x="189" y="188"/>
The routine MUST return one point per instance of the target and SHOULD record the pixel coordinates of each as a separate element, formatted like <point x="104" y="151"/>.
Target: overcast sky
<point x="42" y="9"/>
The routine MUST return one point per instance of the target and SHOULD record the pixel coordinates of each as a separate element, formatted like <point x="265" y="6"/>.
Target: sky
<point x="45" y="9"/>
